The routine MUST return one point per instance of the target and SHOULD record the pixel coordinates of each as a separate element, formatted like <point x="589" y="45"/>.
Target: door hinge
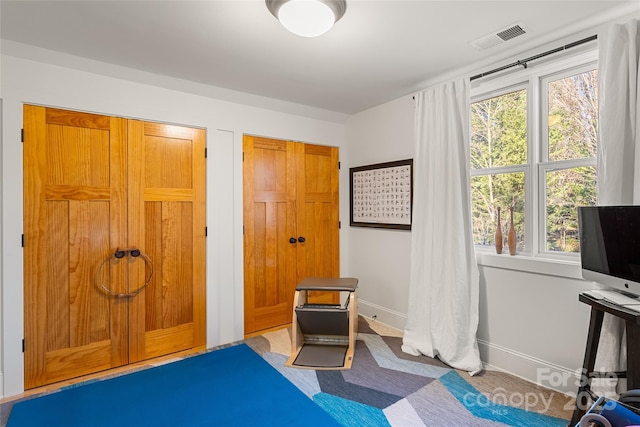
<point x="22" y="240"/>
<point x="206" y="231"/>
<point x="243" y="156"/>
<point x="339" y="225"/>
<point x="21" y="135"/>
<point x="23" y="345"/>
<point x="205" y="152"/>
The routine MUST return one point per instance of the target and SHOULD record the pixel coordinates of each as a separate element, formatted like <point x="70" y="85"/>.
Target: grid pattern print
<point x="383" y="195"/>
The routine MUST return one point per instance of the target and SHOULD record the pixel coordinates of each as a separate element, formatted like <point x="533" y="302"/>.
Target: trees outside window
<point x="569" y="166"/>
<point x="498" y="162"/>
<point x="533" y="148"/>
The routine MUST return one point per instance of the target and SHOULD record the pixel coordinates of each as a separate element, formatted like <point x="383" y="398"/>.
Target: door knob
<point x="292" y="240"/>
<point x="301" y="239"/>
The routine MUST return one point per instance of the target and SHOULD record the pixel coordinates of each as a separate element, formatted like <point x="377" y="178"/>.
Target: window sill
<point x="546" y="266"/>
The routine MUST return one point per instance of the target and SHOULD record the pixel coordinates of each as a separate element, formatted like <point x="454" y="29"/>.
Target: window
<point x="568" y="166"/>
<point x="499" y="162"/>
<point x="533" y="149"/>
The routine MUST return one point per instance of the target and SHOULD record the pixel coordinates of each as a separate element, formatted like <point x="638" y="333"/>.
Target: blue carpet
<point x="232" y="386"/>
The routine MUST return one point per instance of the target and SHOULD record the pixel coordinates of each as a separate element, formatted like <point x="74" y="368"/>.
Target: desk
<point x="323" y="336"/>
<point x="632" y="325"/>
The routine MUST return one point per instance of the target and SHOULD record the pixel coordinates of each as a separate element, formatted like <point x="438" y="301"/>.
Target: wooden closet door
<point x="94" y="184"/>
<point x="318" y="216"/>
<point x="270" y="270"/>
<point x="290" y="226"/>
<point x="74" y="217"/>
<point x="166" y="220"/>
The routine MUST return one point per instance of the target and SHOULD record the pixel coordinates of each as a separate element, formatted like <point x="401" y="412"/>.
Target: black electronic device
<point x="610" y="246"/>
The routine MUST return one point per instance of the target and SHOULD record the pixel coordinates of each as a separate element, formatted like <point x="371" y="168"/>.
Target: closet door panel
<point x="74" y="217"/>
<point x="167" y="222"/>
<point x="318" y="216"/>
<point x="269" y="219"/>
<point x="169" y="228"/>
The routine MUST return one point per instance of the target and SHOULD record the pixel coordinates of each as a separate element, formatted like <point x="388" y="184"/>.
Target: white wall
<point x="1" y="204"/>
<point x="532" y="324"/>
<point x="25" y="80"/>
<point x="379" y="258"/>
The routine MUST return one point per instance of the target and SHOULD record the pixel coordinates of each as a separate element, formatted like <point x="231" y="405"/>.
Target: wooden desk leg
<point x="593" y="338"/>
<point x="633" y="353"/>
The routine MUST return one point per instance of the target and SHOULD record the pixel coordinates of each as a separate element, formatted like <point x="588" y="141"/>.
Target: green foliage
<point x="573" y="117"/>
<point x="566" y="190"/>
<point x="499" y="140"/>
<point x="506" y="190"/>
<point x="499" y="131"/>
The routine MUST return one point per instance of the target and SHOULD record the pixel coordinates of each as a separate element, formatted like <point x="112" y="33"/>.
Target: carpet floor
<point x="386" y="387"/>
<point x="228" y="387"/>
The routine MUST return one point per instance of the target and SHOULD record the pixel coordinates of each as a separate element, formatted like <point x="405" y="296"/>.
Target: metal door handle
<point x="301" y="239"/>
<point x="292" y="240"/>
<point x="117" y="255"/>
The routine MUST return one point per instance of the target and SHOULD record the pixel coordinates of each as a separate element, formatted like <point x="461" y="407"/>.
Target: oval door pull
<point x="118" y="255"/>
<point x="301" y="239"/>
<point x="292" y="240"/>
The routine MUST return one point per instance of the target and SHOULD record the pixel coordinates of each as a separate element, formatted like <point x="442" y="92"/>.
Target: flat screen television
<point x="610" y="246"/>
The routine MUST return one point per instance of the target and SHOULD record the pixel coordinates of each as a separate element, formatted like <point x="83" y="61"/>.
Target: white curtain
<point x="618" y="160"/>
<point x="442" y="318"/>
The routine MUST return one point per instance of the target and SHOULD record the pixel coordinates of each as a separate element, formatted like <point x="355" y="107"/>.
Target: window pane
<point x="566" y="190"/>
<point x="487" y="193"/>
<point x="499" y="131"/>
<point x="573" y="116"/>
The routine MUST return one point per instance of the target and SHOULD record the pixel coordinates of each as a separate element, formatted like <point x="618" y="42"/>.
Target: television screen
<point x="610" y="246"/>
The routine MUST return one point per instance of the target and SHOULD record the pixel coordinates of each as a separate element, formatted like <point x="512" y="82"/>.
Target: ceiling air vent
<point x="498" y="37"/>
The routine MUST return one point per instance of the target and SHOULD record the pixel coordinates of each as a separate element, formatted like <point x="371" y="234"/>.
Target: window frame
<point x="545" y="165"/>
<point x="516" y="168"/>
<point x="534" y="79"/>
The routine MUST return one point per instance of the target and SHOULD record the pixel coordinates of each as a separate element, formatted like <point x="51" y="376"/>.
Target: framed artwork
<point x="382" y="195"/>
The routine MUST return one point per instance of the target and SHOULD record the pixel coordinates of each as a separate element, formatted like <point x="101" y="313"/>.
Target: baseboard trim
<point x="496" y="357"/>
<point x="532" y="369"/>
<point x="392" y="318"/>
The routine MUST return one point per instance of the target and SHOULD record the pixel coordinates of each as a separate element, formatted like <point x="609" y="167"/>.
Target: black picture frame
<point x="381" y="195"/>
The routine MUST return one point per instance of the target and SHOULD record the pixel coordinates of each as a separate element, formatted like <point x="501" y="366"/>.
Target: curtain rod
<point x="523" y="62"/>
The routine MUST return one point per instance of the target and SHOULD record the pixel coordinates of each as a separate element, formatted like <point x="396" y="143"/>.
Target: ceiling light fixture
<point x="307" y="18"/>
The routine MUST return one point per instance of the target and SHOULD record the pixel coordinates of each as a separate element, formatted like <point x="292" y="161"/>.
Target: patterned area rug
<point x="386" y="387"/>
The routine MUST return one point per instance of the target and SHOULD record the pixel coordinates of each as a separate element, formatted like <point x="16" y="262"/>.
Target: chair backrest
<point x="323" y="321"/>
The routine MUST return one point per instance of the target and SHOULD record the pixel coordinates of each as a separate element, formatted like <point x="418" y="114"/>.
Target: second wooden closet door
<point x="291" y="225"/>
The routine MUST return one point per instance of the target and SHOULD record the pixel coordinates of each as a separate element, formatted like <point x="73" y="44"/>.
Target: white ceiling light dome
<point x="307" y="18"/>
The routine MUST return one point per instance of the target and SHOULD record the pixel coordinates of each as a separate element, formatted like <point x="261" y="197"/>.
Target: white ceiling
<point x="379" y="51"/>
